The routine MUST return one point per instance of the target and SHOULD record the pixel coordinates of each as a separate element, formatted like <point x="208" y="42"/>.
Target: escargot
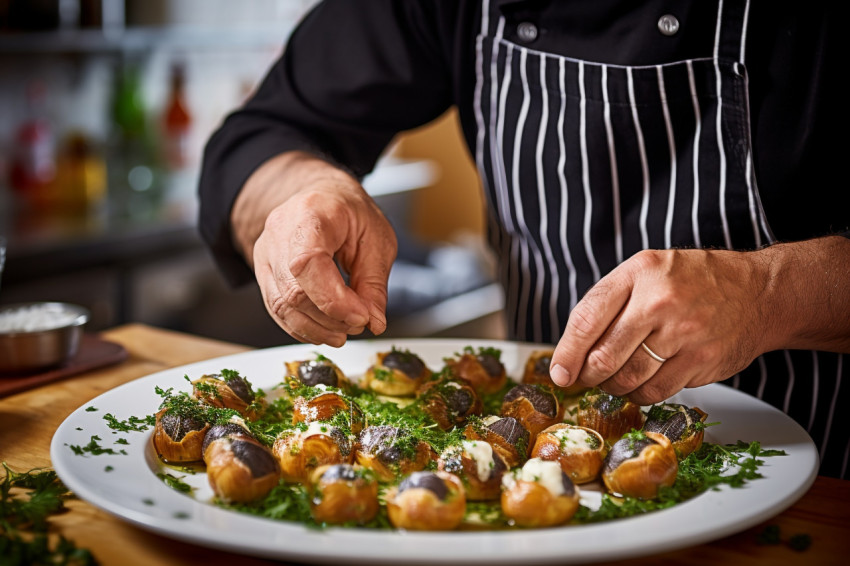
<point x="342" y="493"/>
<point x="325" y="405"/>
<point x="391" y="451"/>
<point x="483" y="369"/>
<point x="239" y="468"/>
<point x="536" y="372"/>
<point x="427" y="501"/>
<point x="178" y="437"/>
<point x="639" y="464"/>
<point x="318" y="371"/>
<point x="539" y="494"/>
<point x="227" y="390"/>
<point x="477" y="465"/>
<point x="609" y="415"/>
<point x="398" y="373"/>
<point x="579" y="451"/>
<point x="506" y="435"/>
<point x="448" y="402"/>
<point x="535" y="406"/>
<point x="682" y="425"/>
<point x="302" y="450"/>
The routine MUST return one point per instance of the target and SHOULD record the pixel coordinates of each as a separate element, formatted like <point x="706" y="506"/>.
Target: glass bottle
<point x="177" y="122"/>
<point x="135" y="186"/>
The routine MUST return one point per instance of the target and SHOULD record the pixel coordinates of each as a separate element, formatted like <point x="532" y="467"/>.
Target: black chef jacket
<point x="354" y="74"/>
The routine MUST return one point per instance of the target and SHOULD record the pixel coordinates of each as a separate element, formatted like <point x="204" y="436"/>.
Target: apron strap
<point x="730" y="37"/>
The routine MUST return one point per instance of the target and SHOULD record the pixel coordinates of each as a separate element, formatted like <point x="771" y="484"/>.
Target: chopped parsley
<point x="132" y="424"/>
<point x="27" y="501"/>
<point x="94" y="448"/>
<point x="175" y="483"/>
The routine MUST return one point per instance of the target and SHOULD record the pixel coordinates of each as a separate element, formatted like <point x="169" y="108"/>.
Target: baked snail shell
<point x="240" y="469"/>
<point x="506" y="435"/>
<point x="580" y="451"/>
<point x="484" y="370"/>
<point x="639" y="464"/>
<point x="479" y="467"/>
<point x="392" y="452"/>
<point x="539" y="494"/>
<point x="681" y="424"/>
<point x="448" y="402"/>
<point x="609" y="415"/>
<point x="536" y="372"/>
<point x="325" y="406"/>
<point x="535" y="406"/>
<point x="319" y="371"/>
<point x="299" y="452"/>
<point x="342" y="493"/>
<point x="228" y="391"/>
<point x="427" y="501"/>
<point x="234" y="428"/>
<point x="179" y="438"/>
<point x="397" y="373"/>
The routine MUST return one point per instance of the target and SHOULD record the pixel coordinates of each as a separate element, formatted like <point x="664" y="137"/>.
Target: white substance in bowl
<point x="36" y="318"/>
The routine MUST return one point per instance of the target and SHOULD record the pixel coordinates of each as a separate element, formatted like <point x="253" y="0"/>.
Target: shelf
<point x="96" y="41"/>
<point x="393" y="175"/>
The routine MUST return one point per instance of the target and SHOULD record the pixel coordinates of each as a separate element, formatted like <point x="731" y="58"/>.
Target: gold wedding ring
<point x="652" y="354"/>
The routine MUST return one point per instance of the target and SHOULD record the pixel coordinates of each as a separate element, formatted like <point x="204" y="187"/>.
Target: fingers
<point x="296" y="266"/>
<point x="316" y="276"/>
<point x="646" y="381"/>
<point x="370" y="272"/>
<point x="588" y="322"/>
<point x="293" y="311"/>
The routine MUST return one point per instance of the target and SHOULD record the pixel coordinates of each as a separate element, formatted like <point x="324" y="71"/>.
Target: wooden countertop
<point x="29" y="419"/>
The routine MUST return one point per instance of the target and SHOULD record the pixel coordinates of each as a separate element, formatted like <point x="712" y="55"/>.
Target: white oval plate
<point x="127" y="486"/>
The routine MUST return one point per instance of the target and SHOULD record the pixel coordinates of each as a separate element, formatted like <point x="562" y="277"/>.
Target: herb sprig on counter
<point x="27" y="501"/>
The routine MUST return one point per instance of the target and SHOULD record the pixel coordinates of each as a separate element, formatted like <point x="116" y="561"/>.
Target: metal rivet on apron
<point x="668" y="24"/>
<point x="527" y="31"/>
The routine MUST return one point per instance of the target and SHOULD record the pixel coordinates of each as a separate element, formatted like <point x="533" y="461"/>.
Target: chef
<point x="661" y="181"/>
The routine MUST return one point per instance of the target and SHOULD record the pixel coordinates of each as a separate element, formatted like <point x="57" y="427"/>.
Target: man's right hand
<point x="300" y="219"/>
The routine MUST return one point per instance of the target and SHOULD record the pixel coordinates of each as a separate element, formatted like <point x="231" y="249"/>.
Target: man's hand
<point x="315" y="219"/>
<point x="709" y="313"/>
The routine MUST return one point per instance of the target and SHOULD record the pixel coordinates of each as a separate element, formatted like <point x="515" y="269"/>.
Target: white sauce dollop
<point x="572" y="439"/>
<point x="546" y="473"/>
<point x="482" y="454"/>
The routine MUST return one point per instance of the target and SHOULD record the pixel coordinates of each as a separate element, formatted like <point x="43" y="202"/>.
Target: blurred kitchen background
<point x="104" y="109"/>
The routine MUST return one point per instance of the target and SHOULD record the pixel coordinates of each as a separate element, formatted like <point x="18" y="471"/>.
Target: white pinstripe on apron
<point x="584" y="164"/>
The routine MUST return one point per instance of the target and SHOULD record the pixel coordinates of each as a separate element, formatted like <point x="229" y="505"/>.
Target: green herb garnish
<point x="95" y="449"/>
<point x="175" y="483"/>
<point x="27" y="500"/>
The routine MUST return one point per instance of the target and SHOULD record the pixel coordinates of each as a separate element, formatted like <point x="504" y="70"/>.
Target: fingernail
<point x="378" y="322"/>
<point x="560" y="375"/>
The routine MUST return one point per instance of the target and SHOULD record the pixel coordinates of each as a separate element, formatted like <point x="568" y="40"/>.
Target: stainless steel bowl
<point x="27" y="351"/>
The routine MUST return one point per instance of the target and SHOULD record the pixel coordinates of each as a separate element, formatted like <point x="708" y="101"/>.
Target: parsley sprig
<point x="27" y="501"/>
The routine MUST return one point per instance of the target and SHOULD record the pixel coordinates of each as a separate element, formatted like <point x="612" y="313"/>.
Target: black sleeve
<point x="352" y="75"/>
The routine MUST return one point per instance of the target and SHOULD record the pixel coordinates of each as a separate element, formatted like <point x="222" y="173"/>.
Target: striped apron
<point x="584" y="164"/>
